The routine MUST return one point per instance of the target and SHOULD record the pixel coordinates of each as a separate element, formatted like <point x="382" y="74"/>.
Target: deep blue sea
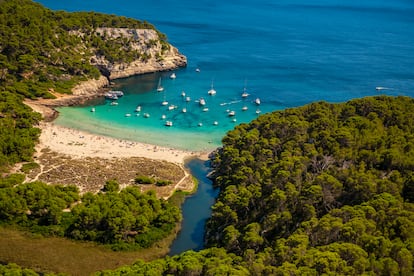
<point x="287" y="53"/>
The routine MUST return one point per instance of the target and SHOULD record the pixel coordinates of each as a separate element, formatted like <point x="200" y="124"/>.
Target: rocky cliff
<point x="154" y="54"/>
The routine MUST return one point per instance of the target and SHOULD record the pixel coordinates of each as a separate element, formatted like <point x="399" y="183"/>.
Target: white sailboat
<point x="159" y="87"/>
<point x="245" y="94"/>
<point x="212" y="91"/>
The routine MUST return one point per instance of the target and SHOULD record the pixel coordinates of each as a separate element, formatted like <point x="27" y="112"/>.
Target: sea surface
<point x="286" y="53"/>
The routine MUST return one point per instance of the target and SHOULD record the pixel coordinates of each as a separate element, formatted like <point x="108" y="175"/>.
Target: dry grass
<point x="60" y="255"/>
<point x="90" y="174"/>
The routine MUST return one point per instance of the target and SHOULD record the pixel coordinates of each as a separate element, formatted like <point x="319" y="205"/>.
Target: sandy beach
<point x="79" y="144"/>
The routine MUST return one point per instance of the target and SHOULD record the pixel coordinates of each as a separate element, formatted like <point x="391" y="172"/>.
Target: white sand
<point x="79" y="144"/>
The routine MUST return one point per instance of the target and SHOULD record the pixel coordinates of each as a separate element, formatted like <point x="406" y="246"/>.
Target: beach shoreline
<point x="81" y="144"/>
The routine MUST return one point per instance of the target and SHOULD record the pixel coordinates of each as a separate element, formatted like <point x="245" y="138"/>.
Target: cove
<point x="196" y="209"/>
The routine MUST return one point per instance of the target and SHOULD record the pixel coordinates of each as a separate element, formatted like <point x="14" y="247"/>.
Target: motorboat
<point x="205" y="109"/>
<point x="146" y="115"/>
<point x="173" y="76"/>
<point x="232" y="113"/>
<point x="183" y="94"/>
<point x="215" y="123"/>
<point x="187" y="99"/>
<point x="114" y="103"/>
<point x="168" y="123"/>
<point x="93" y="109"/>
<point x="113" y="94"/>
<point x="184" y="110"/>
<point x="164" y="102"/>
<point x="128" y="115"/>
<point x="138" y="109"/>
<point x="257" y="101"/>
<point x="202" y="101"/>
<point x="244" y="108"/>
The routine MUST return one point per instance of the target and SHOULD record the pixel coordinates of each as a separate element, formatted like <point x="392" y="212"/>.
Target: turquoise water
<point x="287" y="53"/>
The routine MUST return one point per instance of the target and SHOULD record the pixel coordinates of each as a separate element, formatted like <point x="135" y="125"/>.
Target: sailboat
<point x="212" y="92"/>
<point x="159" y="87"/>
<point x="164" y="102"/>
<point x="245" y="94"/>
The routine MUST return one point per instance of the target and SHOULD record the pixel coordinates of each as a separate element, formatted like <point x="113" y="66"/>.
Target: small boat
<point x="183" y="94"/>
<point x="146" y="115"/>
<point x="173" y="76"/>
<point x="128" y="115"/>
<point x="244" y="108"/>
<point x="257" y="101"/>
<point x="93" y="109"/>
<point x="205" y="109"/>
<point x="164" y="102"/>
<point x="168" y="123"/>
<point x="197" y="70"/>
<point x="212" y="92"/>
<point x="234" y="120"/>
<point x="184" y="110"/>
<point x="172" y="107"/>
<point x="215" y="123"/>
<point x="159" y="87"/>
<point x="258" y="111"/>
<point x="117" y="93"/>
<point x="163" y="116"/>
<point x="202" y="101"/>
<point x="138" y="109"/>
<point x="114" y="103"/>
<point x="232" y="113"/>
<point x="244" y="94"/>
<point x="200" y="124"/>
<point x="110" y="96"/>
<point x="113" y="94"/>
<point x="187" y="99"/>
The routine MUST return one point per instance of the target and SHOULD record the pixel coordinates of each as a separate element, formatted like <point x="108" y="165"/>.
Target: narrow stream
<point x="196" y="210"/>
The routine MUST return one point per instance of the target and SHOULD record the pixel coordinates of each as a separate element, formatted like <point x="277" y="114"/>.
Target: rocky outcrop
<point x="90" y="86"/>
<point x="154" y="53"/>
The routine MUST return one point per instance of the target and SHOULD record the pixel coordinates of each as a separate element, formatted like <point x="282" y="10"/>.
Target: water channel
<point x="196" y="210"/>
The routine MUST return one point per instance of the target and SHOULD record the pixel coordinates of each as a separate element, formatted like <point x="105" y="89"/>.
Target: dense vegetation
<point x="17" y="134"/>
<point x="43" y="51"/>
<point x="126" y="219"/>
<point x="326" y="188"/>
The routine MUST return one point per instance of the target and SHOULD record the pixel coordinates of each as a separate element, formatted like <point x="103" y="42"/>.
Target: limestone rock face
<point x="90" y="86"/>
<point x="155" y="55"/>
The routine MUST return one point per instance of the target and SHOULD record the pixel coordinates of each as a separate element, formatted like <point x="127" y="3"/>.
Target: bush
<point x="142" y="179"/>
<point x="162" y="182"/>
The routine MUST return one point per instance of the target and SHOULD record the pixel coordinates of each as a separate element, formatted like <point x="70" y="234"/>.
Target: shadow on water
<point x="196" y="209"/>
